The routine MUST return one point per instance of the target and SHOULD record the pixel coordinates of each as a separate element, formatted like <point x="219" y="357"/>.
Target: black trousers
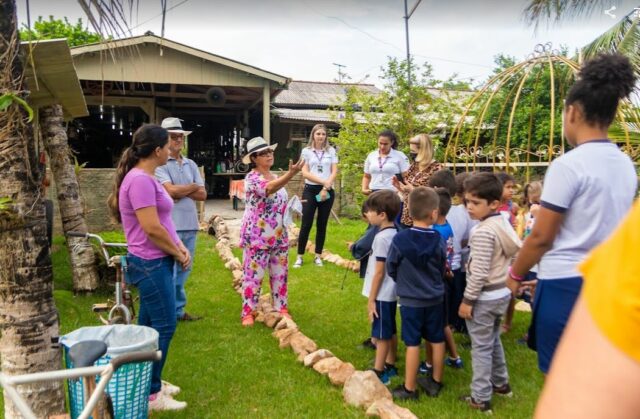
<point x="308" y="211"/>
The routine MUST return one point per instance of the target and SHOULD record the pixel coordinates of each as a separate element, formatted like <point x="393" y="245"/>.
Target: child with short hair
<point x="508" y="208"/>
<point x="443" y="227"/>
<point x="416" y="261"/>
<point x="493" y="244"/>
<point x="382" y="208"/>
<point x="461" y="224"/>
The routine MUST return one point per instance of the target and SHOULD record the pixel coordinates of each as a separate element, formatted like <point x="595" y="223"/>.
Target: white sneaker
<point x="169" y="389"/>
<point x="298" y="262"/>
<point x="164" y="402"/>
<point x="318" y="261"/>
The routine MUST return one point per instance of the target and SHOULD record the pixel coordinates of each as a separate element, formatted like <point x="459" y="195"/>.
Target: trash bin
<point x="129" y="387"/>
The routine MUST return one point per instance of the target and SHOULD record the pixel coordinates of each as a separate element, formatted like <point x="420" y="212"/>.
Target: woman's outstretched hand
<point x="295" y="168"/>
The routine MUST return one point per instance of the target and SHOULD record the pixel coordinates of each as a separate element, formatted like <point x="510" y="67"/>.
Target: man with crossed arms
<point x="181" y="178"/>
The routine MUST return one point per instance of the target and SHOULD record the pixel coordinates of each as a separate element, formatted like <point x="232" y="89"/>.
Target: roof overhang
<point x="132" y="42"/>
<point x="51" y="77"/>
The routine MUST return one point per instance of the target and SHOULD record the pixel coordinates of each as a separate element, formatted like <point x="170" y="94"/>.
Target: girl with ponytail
<point x="143" y="206"/>
<point x="587" y="192"/>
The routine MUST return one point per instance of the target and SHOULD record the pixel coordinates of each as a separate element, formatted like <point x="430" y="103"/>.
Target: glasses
<point x="177" y="137"/>
<point x="264" y="153"/>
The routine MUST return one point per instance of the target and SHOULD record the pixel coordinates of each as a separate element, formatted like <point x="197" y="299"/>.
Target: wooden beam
<point x="172" y="90"/>
<point x="146" y="104"/>
<point x="266" y="115"/>
<point x="199" y="105"/>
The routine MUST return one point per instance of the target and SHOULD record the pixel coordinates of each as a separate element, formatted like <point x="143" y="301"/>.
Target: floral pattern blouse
<point x="262" y="224"/>
<point x="417" y="177"/>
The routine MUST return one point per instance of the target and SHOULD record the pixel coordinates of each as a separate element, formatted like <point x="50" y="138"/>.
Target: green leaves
<point x="5" y="203"/>
<point x="8" y="98"/>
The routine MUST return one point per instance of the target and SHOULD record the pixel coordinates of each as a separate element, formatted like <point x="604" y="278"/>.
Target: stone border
<point x="360" y="388"/>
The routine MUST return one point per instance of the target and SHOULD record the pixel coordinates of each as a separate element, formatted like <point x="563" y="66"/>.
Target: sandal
<point x="285" y="313"/>
<point x="247" y="321"/>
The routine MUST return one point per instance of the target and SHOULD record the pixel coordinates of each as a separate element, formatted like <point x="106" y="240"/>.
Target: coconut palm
<point x="54" y="136"/>
<point x="28" y="315"/>
<point x="623" y="37"/>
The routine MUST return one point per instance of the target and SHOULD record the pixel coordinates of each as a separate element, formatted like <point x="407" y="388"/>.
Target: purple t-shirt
<point x="140" y="190"/>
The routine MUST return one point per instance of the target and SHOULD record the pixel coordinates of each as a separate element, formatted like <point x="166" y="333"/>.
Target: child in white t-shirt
<point x="380" y="289"/>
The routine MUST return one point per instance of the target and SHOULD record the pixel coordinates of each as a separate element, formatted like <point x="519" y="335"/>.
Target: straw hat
<point x="254" y="145"/>
<point x="174" y="125"/>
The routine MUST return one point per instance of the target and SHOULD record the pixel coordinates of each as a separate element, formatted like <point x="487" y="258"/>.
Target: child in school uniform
<point x="417" y="263"/>
<point x="493" y="245"/>
<point x="382" y="208"/>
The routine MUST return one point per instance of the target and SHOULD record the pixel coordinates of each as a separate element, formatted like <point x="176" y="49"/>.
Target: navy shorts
<point x="384" y="326"/>
<point x="552" y="306"/>
<point x="422" y="322"/>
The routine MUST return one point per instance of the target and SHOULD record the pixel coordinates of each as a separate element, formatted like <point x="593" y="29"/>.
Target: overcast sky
<point x="302" y="39"/>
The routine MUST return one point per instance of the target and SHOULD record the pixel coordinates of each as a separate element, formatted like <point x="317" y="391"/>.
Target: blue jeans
<point x="154" y="280"/>
<point x="180" y="276"/>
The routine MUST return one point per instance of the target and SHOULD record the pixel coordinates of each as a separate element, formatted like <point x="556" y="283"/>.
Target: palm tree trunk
<point x="85" y="274"/>
<point x="28" y="316"/>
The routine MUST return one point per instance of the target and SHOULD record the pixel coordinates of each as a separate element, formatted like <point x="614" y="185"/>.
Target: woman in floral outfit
<point x="262" y="234"/>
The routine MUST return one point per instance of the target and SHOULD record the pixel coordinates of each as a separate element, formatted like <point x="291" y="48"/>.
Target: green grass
<point x="227" y="371"/>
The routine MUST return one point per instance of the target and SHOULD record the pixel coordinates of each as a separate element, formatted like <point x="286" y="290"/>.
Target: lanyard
<point x="319" y="158"/>
<point x="381" y="163"/>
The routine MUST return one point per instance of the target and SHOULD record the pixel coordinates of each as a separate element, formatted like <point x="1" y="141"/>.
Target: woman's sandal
<point x="247" y="321"/>
<point x="285" y="313"/>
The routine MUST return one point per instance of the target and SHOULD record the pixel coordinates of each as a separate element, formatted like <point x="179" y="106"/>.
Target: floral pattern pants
<point x="255" y="263"/>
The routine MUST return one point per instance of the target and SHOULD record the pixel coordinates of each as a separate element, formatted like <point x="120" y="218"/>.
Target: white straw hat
<point x="254" y="145"/>
<point x="174" y="125"/>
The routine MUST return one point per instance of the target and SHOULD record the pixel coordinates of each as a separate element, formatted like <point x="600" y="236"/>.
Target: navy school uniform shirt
<point x="416" y="261"/>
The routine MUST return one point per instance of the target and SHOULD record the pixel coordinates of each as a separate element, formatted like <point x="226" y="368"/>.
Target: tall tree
<point x="54" y="136"/>
<point x="28" y="316"/>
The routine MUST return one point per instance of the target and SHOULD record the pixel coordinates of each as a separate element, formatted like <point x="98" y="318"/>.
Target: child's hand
<point x="465" y="311"/>
<point x="349" y="245"/>
<point x="448" y="274"/>
<point x="371" y="311"/>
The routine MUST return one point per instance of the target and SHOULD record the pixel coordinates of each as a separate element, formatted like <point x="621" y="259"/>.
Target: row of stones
<point x="360" y="388"/>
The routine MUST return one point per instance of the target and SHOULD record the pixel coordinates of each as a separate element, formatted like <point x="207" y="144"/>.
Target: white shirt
<point x="383" y="169"/>
<point x="594" y="186"/>
<point x="379" y="251"/>
<point x="461" y="223"/>
<point x="319" y="162"/>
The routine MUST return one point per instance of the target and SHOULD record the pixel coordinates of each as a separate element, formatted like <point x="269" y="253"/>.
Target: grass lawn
<point x="227" y="371"/>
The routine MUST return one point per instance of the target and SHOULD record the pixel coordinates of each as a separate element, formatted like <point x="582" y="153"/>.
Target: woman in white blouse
<point x="319" y="172"/>
<point x="383" y="164"/>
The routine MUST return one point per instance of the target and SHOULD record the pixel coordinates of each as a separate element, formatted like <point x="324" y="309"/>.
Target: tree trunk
<point x="85" y="274"/>
<point x="28" y="316"/>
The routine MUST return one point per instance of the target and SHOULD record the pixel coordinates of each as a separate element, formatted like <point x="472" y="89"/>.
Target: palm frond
<point x="108" y="17"/>
<point x="545" y="10"/>
<point x="623" y="38"/>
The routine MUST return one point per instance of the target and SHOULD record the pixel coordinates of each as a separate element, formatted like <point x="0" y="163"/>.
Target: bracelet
<point x="514" y="276"/>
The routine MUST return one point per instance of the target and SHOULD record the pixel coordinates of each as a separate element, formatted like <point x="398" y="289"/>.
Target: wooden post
<point x="266" y="117"/>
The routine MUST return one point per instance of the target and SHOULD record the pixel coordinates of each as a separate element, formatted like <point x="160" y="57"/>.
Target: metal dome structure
<point x="487" y="139"/>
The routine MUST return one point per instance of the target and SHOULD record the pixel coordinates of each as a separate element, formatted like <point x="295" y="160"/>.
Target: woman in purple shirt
<point x="143" y="207"/>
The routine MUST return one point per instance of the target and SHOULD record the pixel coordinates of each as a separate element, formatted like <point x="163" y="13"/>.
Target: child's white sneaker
<point x="298" y="262"/>
<point x="165" y="402"/>
<point x="318" y="261"/>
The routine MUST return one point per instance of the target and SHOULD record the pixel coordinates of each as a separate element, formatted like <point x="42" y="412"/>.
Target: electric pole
<point x="407" y="16"/>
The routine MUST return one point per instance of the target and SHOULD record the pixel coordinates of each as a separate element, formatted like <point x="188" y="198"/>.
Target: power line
<point x="160" y="14"/>
<point x="373" y="37"/>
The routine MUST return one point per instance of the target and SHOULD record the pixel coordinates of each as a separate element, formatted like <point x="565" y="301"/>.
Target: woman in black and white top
<point x="383" y="164"/>
<point x="319" y="172"/>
